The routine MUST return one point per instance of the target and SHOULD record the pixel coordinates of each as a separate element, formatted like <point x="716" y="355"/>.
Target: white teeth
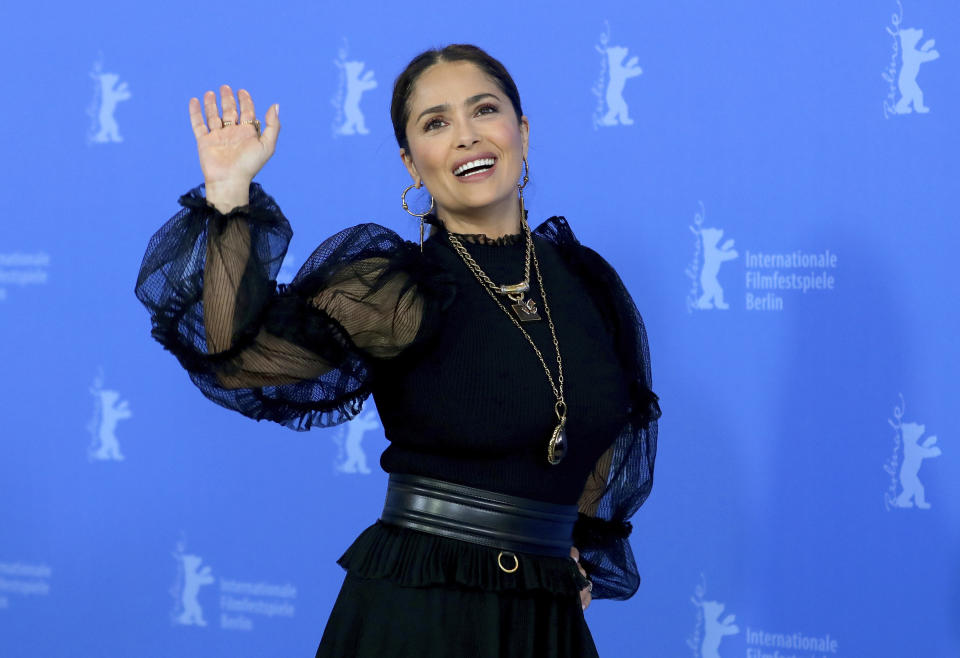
<point x="473" y="163"/>
<point x="479" y="171"/>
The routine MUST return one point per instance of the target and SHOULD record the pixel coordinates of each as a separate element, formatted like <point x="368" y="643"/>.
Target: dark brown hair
<point x="457" y="52"/>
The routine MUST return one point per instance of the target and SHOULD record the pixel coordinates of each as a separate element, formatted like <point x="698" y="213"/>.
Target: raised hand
<point x="230" y="150"/>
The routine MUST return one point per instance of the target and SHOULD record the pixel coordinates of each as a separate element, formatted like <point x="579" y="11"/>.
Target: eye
<point x="433" y="124"/>
<point x="482" y="109"/>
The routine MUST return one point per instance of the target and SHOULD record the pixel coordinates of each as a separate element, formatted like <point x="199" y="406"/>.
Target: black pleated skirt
<point x="409" y="594"/>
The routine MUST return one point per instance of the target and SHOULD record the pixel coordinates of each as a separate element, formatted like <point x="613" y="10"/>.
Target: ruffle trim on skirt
<point x="418" y="559"/>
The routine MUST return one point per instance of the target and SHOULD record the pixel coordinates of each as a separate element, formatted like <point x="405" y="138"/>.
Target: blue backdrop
<point x="775" y="181"/>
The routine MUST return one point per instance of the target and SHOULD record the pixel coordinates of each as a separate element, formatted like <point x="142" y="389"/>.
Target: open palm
<point x="232" y="153"/>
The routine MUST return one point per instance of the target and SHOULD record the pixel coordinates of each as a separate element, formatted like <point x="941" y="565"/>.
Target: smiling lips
<point x="475" y="167"/>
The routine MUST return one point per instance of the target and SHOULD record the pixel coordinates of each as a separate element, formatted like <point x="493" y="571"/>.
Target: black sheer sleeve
<point x="623" y="476"/>
<point x="301" y="354"/>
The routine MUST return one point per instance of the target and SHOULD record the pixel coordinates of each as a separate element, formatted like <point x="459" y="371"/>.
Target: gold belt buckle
<point x="516" y="562"/>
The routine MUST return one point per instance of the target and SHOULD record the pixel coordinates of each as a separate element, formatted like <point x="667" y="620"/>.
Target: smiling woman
<point x="458" y="121"/>
<point x="521" y="422"/>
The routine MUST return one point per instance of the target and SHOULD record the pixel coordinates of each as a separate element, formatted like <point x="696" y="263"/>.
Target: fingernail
<point x="278" y="110"/>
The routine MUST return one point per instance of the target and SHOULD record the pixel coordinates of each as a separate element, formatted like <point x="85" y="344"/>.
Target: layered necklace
<point x="526" y="311"/>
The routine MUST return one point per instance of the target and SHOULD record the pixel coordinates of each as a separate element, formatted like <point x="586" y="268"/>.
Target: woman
<point x="509" y="368"/>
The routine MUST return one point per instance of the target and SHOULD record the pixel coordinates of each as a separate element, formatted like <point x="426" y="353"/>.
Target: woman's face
<point x="459" y="116"/>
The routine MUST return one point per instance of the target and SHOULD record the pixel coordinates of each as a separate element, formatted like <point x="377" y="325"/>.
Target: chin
<point x="480" y="199"/>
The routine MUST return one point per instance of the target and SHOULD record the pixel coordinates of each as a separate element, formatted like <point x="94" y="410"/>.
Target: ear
<point x="525" y="133"/>
<point x="411" y="168"/>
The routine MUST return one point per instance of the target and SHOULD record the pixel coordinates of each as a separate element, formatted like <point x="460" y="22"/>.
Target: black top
<point x="461" y="394"/>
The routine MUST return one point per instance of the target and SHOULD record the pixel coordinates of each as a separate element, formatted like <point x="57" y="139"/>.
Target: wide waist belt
<point x="492" y="519"/>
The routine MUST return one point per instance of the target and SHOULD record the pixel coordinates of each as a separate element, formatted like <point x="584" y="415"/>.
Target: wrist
<point x="227" y="195"/>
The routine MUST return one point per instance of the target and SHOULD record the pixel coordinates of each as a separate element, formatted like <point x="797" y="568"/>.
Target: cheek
<point x="510" y="137"/>
<point x="428" y="156"/>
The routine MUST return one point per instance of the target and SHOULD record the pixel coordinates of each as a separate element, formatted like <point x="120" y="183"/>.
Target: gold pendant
<point x="526" y="310"/>
<point x="557" y="448"/>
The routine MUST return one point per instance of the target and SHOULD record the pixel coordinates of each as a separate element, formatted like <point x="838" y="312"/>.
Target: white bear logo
<point x="194" y="577"/>
<point x="715" y="629"/>
<point x="903" y="466"/>
<point x="349" y="102"/>
<point x="108" y="411"/>
<point x="619" y="73"/>
<point x="705" y="290"/>
<point x="708" y="294"/>
<point x="352" y="458"/>
<point x="910" y="93"/>
<point x="710" y="629"/>
<point x="110" y="93"/>
<point x="713" y="257"/>
<point x="914" y="453"/>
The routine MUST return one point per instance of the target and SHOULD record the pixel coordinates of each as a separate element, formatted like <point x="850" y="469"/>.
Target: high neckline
<point x="509" y="239"/>
<point x="480" y="238"/>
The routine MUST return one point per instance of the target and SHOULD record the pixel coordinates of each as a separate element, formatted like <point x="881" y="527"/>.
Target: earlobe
<point x="411" y="168"/>
<point x="525" y="132"/>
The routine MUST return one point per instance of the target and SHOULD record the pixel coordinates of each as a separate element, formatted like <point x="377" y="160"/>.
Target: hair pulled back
<point x="458" y="52"/>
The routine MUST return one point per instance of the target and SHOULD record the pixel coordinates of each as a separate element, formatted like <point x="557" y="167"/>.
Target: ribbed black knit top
<point x="461" y="394"/>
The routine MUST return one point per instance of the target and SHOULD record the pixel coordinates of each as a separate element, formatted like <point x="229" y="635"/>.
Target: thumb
<point x="272" y="129"/>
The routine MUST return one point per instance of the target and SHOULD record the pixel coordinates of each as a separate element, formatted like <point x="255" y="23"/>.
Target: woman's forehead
<point x="450" y="82"/>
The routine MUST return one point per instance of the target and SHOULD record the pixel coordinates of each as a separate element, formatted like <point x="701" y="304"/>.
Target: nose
<point x="466" y="135"/>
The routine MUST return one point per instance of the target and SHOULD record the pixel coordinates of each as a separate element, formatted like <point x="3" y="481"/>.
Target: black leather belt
<point x="492" y="519"/>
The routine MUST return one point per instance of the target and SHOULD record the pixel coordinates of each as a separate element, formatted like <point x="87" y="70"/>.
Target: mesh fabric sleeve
<point x="622" y="477"/>
<point x="301" y="354"/>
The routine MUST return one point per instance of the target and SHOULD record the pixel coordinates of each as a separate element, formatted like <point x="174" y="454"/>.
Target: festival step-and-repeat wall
<point x="776" y="182"/>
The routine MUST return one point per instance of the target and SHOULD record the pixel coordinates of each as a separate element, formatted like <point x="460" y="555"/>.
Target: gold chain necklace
<point x="557" y="446"/>
<point x="526" y="310"/>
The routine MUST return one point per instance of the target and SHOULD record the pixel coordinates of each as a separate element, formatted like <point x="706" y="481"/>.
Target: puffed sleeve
<point x="622" y="477"/>
<point x="301" y="354"/>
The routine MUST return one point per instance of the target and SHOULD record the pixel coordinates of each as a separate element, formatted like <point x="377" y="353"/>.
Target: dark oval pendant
<point x="557" y="448"/>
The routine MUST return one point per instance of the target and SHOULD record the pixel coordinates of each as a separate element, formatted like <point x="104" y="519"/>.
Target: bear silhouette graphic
<point x="713" y="257"/>
<point x="617" y="111"/>
<point x="194" y="579"/>
<point x="714" y="629"/>
<point x="355" y="460"/>
<point x="110" y="94"/>
<point x="356" y="85"/>
<point x="910" y="93"/>
<point x="111" y="410"/>
<point x="914" y="453"/>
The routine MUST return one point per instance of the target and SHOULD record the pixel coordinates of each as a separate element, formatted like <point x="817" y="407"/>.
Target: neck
<point x="492" y="221"/>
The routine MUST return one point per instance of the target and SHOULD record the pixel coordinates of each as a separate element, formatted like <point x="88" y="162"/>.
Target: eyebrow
<point x="445" y="107"/>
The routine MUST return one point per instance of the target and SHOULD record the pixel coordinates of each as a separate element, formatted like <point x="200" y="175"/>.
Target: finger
<point x="196" y="118"/>
<point x="582" y="570"/>
<point x="210" y="108"/>
<point x="229" y="104"/>
<point x="272" y="129"/>
<point x="247" y="111"/>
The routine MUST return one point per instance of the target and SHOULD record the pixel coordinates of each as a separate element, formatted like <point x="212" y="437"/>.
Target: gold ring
<point x="516" y="562"/>
<point x="226" y="123"/>
<point x="256" y="125"/>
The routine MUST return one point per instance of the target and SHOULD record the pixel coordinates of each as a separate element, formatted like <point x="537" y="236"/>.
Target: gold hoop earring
<point x="403" y="202"/>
